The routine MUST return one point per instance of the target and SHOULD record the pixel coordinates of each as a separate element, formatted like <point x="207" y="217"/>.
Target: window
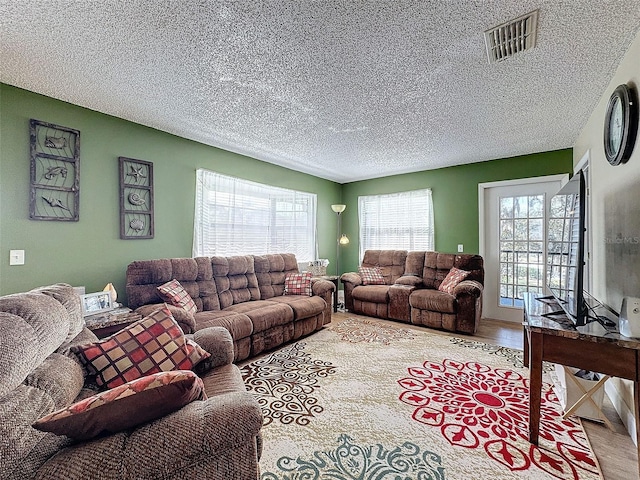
<point x="398" y="221"/>
<point x="239" y="217"/>
<point x="521" y="247"/>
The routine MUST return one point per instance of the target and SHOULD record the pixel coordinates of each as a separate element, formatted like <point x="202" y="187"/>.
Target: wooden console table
<point x="591" y="347"/>
<point x="107" y="323"/>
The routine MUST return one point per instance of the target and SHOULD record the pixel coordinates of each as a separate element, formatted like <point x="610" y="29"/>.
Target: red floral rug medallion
<point x="476" y="406"/>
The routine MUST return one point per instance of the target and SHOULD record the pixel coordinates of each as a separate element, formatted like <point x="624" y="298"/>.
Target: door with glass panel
<point x="514" y="243"/>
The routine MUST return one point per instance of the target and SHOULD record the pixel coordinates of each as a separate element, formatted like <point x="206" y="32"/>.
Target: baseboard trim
<point x="626" y="415"/>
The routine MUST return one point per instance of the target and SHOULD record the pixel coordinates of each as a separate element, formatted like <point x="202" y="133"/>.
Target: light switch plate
<point x="16" y="257"/>
<point x="460" y="248"/>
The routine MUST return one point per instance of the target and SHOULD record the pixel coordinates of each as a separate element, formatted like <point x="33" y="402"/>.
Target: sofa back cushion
<point x="194" y="274"/>
<point x="390" y="262"/>
<point x="271" y="271"/>
<point x="235" y="279"/>
<point x="36" y="374"/>
<point x="437" y="266"/>
<point x="32" y="326"/>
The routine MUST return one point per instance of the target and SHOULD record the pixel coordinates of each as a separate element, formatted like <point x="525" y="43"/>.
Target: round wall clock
<point x="620" y="125"/>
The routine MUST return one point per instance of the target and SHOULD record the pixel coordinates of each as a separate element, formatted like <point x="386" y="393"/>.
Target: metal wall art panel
<point x="55" y="172"/>
<point x="136" y="199"/>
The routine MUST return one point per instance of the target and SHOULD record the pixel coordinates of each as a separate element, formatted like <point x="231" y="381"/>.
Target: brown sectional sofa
<point x="244" y="294"/>
<point x="411" y="294"/>
<point x="218" y="438"/>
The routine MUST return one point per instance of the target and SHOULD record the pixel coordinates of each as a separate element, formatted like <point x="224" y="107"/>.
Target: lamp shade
<point x="344" y="240"/>
<point x="338" y="208"/>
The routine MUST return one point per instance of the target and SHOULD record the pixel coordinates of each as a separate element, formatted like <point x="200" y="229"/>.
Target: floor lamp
<point x="342" y="238"/>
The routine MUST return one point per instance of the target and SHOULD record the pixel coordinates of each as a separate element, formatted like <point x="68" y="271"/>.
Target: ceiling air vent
<point x="514" y="36"/>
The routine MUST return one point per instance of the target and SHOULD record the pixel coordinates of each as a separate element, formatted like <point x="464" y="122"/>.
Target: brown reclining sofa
<point x="410" y="292"/>
<point x="244" y="294"/>
<point x="218" y="438"/>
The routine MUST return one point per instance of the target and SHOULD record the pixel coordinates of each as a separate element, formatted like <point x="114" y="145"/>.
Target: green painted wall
<point x="90" y="252"/>
<point x="455" y="197"/>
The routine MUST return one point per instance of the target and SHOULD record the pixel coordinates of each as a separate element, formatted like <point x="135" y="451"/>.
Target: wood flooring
<point x="615" y="450"/>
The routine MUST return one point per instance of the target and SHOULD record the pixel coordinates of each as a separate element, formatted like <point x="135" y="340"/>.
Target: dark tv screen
<point x="565" y="248"/>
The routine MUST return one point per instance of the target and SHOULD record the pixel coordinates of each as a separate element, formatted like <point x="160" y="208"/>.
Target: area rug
<point x="369" y="400"/>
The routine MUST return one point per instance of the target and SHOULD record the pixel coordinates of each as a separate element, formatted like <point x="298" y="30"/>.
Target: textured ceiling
<point x="342" y="89"/>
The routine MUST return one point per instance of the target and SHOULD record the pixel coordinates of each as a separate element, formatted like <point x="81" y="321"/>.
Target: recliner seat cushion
<point x="303" y="307"/>
<point x="372" y="293"/>
<point x="238" y="324"/>
<point x="433" y="300"/>
<point x="264" y="314"/>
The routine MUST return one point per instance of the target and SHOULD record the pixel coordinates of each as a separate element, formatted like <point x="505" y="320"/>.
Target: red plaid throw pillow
<point x="453" y="278"/>
<point x="175" y="294"/>
<point x="154" y="344"/>
<point x="371" y="276"/>
<point x="298" y="284"/>
<point x="126" y="406"/>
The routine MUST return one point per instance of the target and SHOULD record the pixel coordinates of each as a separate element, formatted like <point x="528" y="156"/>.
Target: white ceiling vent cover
<point x="514" y="36"/>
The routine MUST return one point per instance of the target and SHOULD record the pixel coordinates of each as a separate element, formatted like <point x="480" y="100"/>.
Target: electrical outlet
<point x="16" y="257"/>
<point x="460" y="247"/>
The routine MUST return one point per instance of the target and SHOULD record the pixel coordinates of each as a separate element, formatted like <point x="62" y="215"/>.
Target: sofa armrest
<point x="410" y="280"/>
<point x="186" y="321"/>
<point x="468" y="295"/>
<point x="351" y="277"/>
<point x="321" y="287"/>
<point x="350" y="280"/>
<point x="468" y="287"/>
<point x="200" y="437"/>
<point x="219" y="343"/>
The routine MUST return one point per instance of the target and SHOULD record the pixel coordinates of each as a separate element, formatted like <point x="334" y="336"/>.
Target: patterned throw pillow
<point x="453" y="278"/>
<point x="126" y="406"/>
<point x="371" y="276"/>
<point x="154" y="344"/>
<point x="298" y="284"/>
<point x="175" y="294"/>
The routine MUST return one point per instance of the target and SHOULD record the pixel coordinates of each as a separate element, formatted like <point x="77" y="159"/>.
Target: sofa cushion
<point x="298" y="284"/>
<point x="303" y="306"/>
<point x="173" y="293"/>
<point x="32" y="327"/>
<point x="154" y="344"/>
<point x="453" y="278"/>
<point x="390" y="262"/>
<point x="371" y="275"/>
<point x="126" y="406"/>
<point x="271" y="271"/>
<point x="238" y="324"/>
<point x="433" y="300"/>
<point x="235" y="279"/>
<point x="372" y="293"/>
<point x="70" y="300"/>
<point x="264" y="314"/>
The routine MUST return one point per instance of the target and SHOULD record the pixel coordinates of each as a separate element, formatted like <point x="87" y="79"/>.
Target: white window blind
<point x="397" y="221"/>
<point x="239" y="217"/>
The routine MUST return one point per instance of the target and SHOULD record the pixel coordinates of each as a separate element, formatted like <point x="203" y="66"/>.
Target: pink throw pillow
<point x="371" y="276"/>
<point x="453" y="278"/>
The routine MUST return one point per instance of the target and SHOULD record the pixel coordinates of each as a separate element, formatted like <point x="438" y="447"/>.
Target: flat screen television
<point x="565" y="249"/>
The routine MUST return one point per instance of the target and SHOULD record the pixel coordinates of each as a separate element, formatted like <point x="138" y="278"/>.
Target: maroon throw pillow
<point x="154" y="344"/>
<point x="453" y="278"/>
<point x="126" y="406"/>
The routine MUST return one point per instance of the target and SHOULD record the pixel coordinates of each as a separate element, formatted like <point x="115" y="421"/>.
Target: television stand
<point x="589" y="347"/>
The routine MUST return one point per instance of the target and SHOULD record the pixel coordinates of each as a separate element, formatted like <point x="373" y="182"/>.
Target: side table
<point x="106" y="323"/>
<point x="334" y="279"/>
